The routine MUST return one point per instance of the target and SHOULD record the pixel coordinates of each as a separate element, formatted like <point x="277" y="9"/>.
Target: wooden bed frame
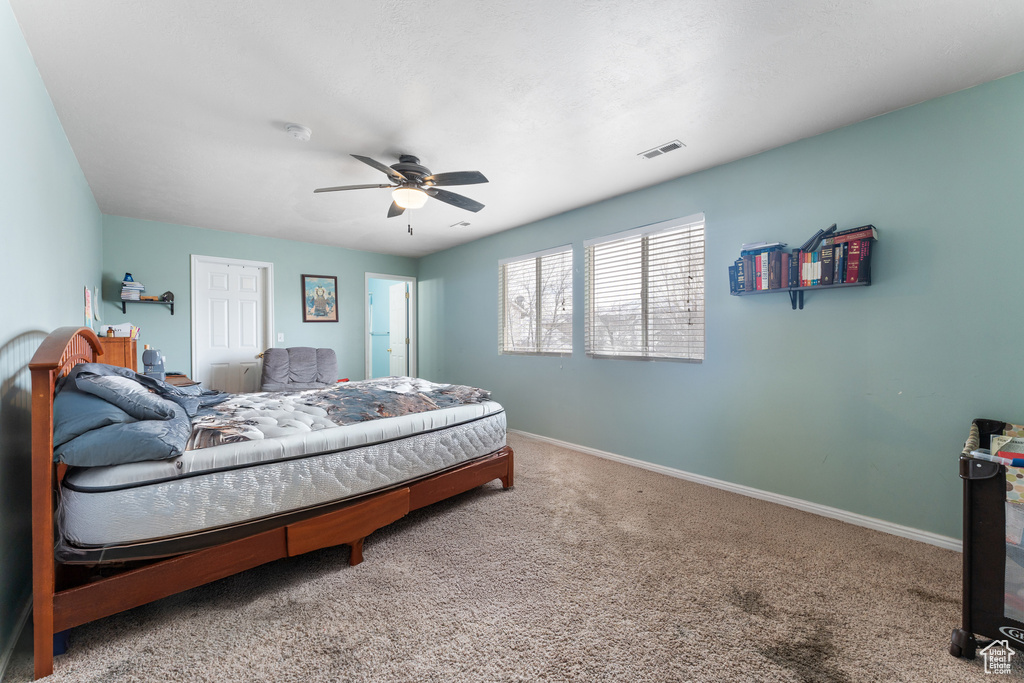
<point x="63" y="598"/>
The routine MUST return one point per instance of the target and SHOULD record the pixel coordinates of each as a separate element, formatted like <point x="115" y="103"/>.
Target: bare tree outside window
<point x="535" y="303"/>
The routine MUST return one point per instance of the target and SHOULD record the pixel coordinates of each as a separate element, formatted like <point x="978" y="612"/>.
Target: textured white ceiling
<point x="176" y="108"/>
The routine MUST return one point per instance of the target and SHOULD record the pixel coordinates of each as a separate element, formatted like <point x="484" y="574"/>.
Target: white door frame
<point x="268" y="296"/>
<point x="367" y="341"/>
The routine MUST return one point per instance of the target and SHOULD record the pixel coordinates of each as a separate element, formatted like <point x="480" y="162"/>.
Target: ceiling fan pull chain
<point x="410" y="224"/>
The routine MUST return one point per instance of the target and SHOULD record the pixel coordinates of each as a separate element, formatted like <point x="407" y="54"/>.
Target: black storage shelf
<point x="796" y="294"/>
<point x="124" y="308"/>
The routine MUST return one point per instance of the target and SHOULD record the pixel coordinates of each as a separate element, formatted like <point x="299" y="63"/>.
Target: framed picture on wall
<point x="319" y="299"/>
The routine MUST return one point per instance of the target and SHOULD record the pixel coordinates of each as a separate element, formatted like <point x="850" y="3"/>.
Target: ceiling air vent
<point x="661" y="149"/>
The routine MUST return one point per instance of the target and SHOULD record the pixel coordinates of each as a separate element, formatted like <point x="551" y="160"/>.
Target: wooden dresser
<point x="119" y="351"/>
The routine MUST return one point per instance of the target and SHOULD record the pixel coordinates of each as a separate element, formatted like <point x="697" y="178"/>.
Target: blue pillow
<point x="128" y="395"/>
<point x="76" y="412"/>
<point x="127" y="442"/>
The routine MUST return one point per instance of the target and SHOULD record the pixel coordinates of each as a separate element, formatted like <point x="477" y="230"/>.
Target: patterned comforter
<point x="250" y="417"/>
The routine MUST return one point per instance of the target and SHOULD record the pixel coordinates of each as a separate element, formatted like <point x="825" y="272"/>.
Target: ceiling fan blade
<point x="348" y="187"/>
<point x="454" y="199"/>
<point x="456" y="178"/>
<point x="395" y="210"/>
<point x="381" y="167"/>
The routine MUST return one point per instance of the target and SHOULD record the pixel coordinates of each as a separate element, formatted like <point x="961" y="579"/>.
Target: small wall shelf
<point x="796" y="294"/>
<point x="124" y="308"/>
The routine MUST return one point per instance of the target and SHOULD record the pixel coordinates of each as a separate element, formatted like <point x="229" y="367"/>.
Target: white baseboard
<point x="8" y="648"/>
<point x="817" y="508"/>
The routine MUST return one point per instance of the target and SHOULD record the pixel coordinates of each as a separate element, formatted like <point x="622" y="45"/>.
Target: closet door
<point x="230" y="322"/>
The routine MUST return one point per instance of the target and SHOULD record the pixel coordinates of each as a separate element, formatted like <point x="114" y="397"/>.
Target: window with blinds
<point x="535" y="303"/>
<point x="645" y="292"/>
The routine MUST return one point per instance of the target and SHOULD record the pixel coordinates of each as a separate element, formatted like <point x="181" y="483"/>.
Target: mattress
<point x="237" y="483"/>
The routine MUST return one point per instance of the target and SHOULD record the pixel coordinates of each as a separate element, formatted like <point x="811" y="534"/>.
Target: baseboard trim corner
<point x="8" y="649"/>
<point x="939" y="540"/>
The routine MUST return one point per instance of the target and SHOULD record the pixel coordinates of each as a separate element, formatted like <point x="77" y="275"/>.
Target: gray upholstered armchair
<point x="299" y="367"/>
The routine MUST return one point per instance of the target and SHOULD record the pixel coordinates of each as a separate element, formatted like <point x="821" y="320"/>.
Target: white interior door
<point x="231" y="318"/>
<point x="398" y="351"/>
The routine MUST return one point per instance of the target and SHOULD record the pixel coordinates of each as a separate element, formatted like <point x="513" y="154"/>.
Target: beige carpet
<point x="587" y="570"/>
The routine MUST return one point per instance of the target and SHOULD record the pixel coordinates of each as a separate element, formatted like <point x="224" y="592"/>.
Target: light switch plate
<point x="280" y="336"/>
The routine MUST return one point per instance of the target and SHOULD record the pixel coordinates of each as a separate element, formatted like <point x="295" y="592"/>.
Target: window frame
<point x="643" y="353"/>
<point x="537" y="257"/>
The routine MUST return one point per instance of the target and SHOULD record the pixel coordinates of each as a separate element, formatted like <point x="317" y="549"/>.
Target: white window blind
<point x="535" y="303"/>
<point x="645" y="292"/>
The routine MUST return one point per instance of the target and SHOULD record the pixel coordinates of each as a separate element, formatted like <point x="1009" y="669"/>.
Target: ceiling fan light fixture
<point x="409" y="197"/>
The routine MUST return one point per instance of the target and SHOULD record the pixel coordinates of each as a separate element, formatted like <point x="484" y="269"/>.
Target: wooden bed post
<point x="59" y="351"/>
<point x="508" y="481"/>
<point x="42" y="525"/>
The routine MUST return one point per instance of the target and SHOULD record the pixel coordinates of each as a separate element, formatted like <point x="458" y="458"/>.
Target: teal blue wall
<point x="159" y="256"/>
<point x="861" y="401"/>
<point x="50" y="234"/>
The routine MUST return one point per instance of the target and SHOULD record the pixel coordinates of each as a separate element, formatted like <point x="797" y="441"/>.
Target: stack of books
<point x="131" y="290"/>
<point x="760" y="266"/>
<point x="827" y="258"/>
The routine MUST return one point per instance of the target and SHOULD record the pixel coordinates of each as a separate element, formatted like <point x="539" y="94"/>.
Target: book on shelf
<point x="757" y="247"/>
<point x="864" y="272"/>
<point x="864" y="232"/>
<point x="853" y="262"/>
<point x="748" y="271"/>
<point x="814" y="242"/>
<point x="808" y="246"/>
<point x="131" y="290"/>
<point x="775" y="269"/>
<point x="732" y="278"/>
<point x="740" y="275"/>
<point x="827" y="264"/>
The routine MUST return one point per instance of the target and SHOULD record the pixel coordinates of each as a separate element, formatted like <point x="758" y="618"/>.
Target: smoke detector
<point x="298" y="132"/>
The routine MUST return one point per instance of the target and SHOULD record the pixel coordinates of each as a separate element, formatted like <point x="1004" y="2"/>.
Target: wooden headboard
<point x="63" y="349"/>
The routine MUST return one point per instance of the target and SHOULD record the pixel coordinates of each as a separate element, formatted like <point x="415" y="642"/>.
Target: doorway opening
<point x="390" y="325"/>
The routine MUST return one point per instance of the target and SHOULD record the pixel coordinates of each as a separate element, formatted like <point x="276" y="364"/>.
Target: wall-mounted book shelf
<point x="796" y="294"/>
<point x="124" y="309"/>
<point x="828" y="260"/>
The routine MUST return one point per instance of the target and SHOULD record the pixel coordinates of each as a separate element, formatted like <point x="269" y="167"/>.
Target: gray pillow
<point x="129" y="442"/>
<point x="76" y="412"/>
<point x="128" y="395"/>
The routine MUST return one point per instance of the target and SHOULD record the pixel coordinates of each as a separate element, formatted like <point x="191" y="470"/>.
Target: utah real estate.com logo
<point x="997" y="656"/>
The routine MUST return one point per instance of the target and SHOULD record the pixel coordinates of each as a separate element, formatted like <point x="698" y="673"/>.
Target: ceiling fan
<point x="412" y="184"/>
